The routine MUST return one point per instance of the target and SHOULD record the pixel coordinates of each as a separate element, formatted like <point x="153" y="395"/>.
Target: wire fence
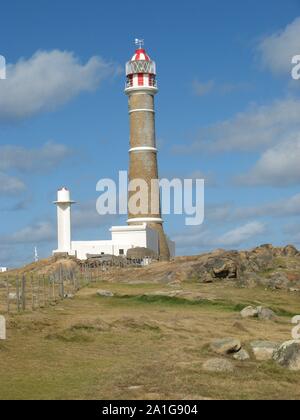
<point x="31" y="292"/>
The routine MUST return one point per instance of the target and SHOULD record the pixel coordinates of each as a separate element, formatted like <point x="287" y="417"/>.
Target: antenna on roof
<point x="36" y="256"/>
<point x="139" y="42"/>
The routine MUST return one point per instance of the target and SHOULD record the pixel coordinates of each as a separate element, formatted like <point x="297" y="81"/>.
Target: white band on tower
<point x="142" y="110"/>
<point x="143" y="149"/>
<point x="146" y="220"/>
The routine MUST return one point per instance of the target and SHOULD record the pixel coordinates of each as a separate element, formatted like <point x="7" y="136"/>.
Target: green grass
<point x="93" y="347"/>
<point x="203" y="303"/>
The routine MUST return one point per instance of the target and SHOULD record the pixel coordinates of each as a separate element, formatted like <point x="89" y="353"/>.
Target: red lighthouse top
<point x="141" y="71"/>
<point x="140" y="55"/>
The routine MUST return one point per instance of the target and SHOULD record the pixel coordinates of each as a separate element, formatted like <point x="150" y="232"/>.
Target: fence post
<point x="44" y="290"/>
<point x="23" y="293"/>
<point x="8" y="300"/>
<point x="18" y="294"/>
<point x="32" y="292"/>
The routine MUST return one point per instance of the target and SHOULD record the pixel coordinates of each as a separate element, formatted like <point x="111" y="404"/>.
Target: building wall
<point x="137" y="238"/>
<point x="123" y="238"/>
<point x="82" y="248"/>
<point x="152" y="240"/>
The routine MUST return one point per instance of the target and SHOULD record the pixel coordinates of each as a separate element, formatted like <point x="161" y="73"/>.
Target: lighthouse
<point x="64" y="204"/>
<point x="141" y="88"/>
<point x="144" y="228"/>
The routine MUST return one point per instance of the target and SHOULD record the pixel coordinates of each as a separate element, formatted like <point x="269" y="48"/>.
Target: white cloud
<point x="42" y="159"/>
<point x="35" y="233"/>
<point x="242" y="234"/>
<point x="10" y="185"/>
<point x="254" y="129"/>
<point x="85" y="216"/>
<point x="46" y="81"/>
<point x="202" y="89"/>
<point x="205" y="88"/>
<point x="278" y="166"/>
<point x="227" y="212"/>
<point x="204" y="239"/>
<point x="278" y="49"/>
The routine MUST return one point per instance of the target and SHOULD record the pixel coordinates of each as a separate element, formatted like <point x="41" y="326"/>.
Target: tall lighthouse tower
<point x="141" y="88"/>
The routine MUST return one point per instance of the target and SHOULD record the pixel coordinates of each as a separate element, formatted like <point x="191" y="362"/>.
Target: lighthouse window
<point x="130" y="80"/>
<point x="121" y="251"/>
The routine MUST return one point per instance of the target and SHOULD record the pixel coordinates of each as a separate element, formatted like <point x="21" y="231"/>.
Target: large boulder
<point x="226" y="346"/>
<point x="241" y="355"/>
<point x="105" y="293"/>
<point x="260" y="312"/>
<point x="290" y="251"/>
<point x="249" y="312"/>
<point x="263" y="350"/>
<point x="288" y="355"/>
<point x="218" y="366"/>
<point x="266" y="314"/>
<point x="223" y="268"/>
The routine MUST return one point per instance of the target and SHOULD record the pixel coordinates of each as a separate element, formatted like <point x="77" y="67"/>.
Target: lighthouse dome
<point x="140" y="55"/>
<point x="141" y="71"/>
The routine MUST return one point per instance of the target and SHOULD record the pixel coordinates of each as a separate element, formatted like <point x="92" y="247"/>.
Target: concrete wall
<point x="123" y="238"/>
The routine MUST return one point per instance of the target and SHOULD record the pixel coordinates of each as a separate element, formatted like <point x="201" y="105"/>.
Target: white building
<point x="3" y="269"/>
<point x="123" y="238"/>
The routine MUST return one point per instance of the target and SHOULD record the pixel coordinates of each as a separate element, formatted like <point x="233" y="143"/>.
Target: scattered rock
<point x="260" y="312"/>
<point x="293" y="290"/>
<point x="69" y="296"/>
<point x="2" y="328"/>
<point x="105" y="293"/>
<point x="263" y="350"/>
<point x="135" y="387"/>
<point x="226" y="346"/>
<point x="288" y="355"/>
<point x="241" y="355"/>
<point x="266" y="314"/>
<point x="218" y="365"/>
<point x="249" y="312"/>
<point x="12" y="296"/>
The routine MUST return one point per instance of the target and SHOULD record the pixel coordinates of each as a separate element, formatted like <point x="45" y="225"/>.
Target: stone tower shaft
<point x="141" y="88"/>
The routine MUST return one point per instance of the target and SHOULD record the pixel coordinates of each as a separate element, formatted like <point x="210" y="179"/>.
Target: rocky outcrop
<point x="259" y="312"/>
<point x="241" y="355"/>
<point x="105" y="293"/>
<point x="288" y="355"/>
<point x="267" y="266"/>
<point x="263" y="350"/>
<point x="218" y="366"/>
<point x="249" y="312"/>
<point x="226" y="346"/>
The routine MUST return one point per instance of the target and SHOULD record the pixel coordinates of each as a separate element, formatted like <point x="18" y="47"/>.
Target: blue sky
<point x="227" y="109"/>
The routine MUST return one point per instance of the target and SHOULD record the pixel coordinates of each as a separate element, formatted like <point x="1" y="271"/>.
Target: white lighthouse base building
<point x="123" y="238"/>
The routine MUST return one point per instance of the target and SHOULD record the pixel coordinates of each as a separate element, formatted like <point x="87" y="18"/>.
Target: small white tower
<point x="64" y="204"/>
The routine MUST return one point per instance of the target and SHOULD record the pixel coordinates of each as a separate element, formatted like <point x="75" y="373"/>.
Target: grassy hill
<point x="147" y="341"/>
